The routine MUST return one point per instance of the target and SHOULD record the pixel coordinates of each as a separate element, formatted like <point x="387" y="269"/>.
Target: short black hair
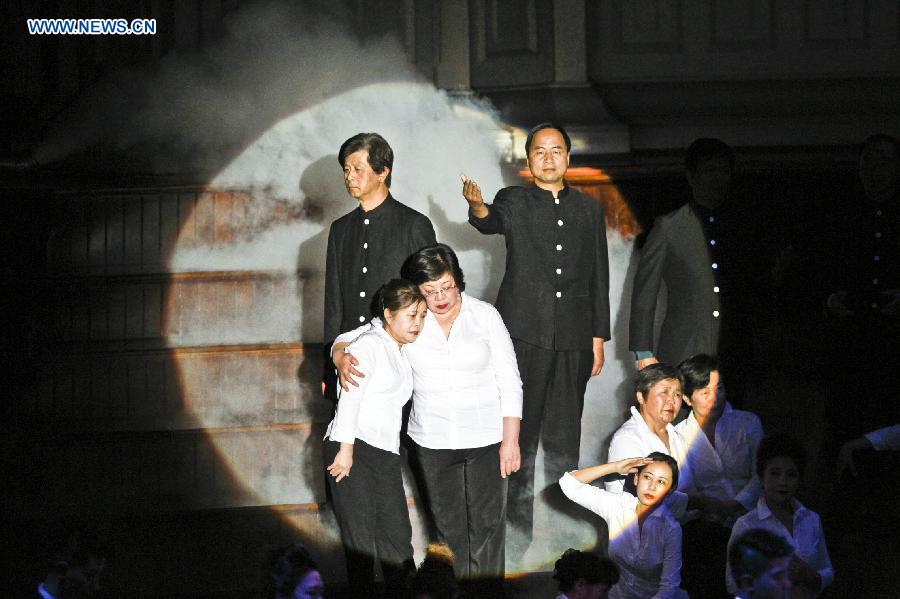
<point x="435" y="576"/>
<point x="873" y="141"/>
<point x="285" y="568"/>
<point x="431" y="263"/>
<point x="576" y="565"/>
<point x="654" y="373"/>
<point x="696" y="371"/>
<point x="753" y="552"/>
<point x="541" y="127"/>
<point x="779" y="446"/>
<point x="381" y="155"/>
<point x="395" y="295"/>
<point x="658" y="456"/>
<point x="705" y="148"/>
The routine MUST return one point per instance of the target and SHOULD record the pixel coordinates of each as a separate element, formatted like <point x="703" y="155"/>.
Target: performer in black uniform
<point x="704" y="254"/>
<point x="367" y="246"/>
<point x="554" y="299"/>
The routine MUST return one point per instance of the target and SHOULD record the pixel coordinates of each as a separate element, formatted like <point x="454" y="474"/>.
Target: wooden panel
<point x="168" y="470"/>
<point x="642" y="26"/>
<point x="253" y="385"/>
<point x="835" y="25"/>
<point x="739" y="40"/>
<point x="512" y="43"/>
<point x="136" y="233"/>
<point x="178" y="310"/>
<point x="742" y="25"/>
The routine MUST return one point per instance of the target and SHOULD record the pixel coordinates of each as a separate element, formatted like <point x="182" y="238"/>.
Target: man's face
<point x="85" y="580"/>
<point x="710" y="181"/>
<point x="773" y="583"/>
<point x="548" y="158"/>
<point x="879" y="170"/>
<point x="360" y="180"/>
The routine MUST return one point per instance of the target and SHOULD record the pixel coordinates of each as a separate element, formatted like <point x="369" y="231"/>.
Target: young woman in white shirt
<point x="644" y="537"/>
<point x="467" y="404"/>
<point x="720" y="469"/>
<point x="362" y="445"/>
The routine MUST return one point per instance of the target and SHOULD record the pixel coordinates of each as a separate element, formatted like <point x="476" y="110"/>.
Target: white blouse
<point x="648" y="556"/>
<point x="808" y="539"/>
<point x="728" y="470"/>
<point x="463" y="384"/>
<point x="885" y="438"/>
<point x="373" y="411"/>
<point x="635" y="440"/>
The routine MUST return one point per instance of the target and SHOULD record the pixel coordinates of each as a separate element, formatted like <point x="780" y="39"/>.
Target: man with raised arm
<point x="554" y="299"/>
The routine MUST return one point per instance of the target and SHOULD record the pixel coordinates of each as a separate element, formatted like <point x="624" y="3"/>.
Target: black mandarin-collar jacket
<point x="378" y="241"/>
<point x="555" y="292"/>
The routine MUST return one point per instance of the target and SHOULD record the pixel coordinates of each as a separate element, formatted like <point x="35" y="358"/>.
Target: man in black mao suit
<point x="702" y="252"/>
<point x="368" y="245"/>
<point x="554" y="299"/>
<point x="366" y="248"/>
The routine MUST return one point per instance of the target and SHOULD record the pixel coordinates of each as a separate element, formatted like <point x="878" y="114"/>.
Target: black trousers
<point x="370" y="506"/>
<point x="553" y="384"/>
<point x="467" y="499"/>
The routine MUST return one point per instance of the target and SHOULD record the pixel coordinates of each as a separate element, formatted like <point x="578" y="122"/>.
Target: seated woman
<point x="291" y="573"/>
<point x="370" y="506"/>
<point x="658" y="390"/>
<point x="464" y="423"/>
<point x="719" y="472"/>
<point x="644" y="537"/>
<point x="779" y="464"/>
<point x="722" y="440"/>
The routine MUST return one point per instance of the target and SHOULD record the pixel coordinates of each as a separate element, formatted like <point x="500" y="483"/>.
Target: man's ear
<point x="383" y="175"/>
<point x="640" y="397"/>
<point x="687" y="400"/>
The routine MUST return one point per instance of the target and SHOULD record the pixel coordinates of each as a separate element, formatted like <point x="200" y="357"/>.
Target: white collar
<point x="42" y="590"/>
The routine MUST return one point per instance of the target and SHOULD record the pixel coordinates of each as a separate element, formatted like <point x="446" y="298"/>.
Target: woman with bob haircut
<point x="658" y="393"/>
<point x="780" y="460"/>
<point x="644" y="537"/>
<point x="363" y="439"/>
<point x="583" y="575"/>
<point x="292" y="573"/>
<point x="467" y="404"/>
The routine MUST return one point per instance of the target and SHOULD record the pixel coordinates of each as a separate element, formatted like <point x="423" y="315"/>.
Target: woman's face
<point x="710" y="400"/>
<point x="780" y="480"/>
<point x="653" y="482"/>
<point x="441" y="295"/>
<point x="405" y="324"/>
<point x="309" y="587"/>
<point x="662" y="403"/>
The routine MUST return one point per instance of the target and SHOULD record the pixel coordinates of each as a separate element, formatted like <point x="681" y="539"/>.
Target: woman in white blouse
<point x="658" y="390"/>
<point x="721" y="462"/>
<point x="644" y="537"/>
<point x="467" y="404"/>
<point x="362" y="445"/>
<point x="779" y="463"/>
